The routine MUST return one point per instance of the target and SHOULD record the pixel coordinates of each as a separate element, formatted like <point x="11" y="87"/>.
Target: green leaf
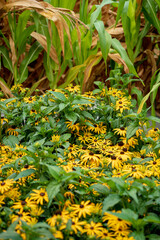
<point x="149" y="10"/>
<point x="110" y="201"/>
<point x="32" y="56"/>
<point x="65" y="137"/>
<point x="54" y="171"/>
<point x="147" y="96"/>
<point x="96" y="13"/>
<point x="133" y="193"/>
<point x="100" y="188"/>
<point x="72" y="74"/>
<point x="131" y="130"/>
<point x="118" y="47"/>
<point x="120" y="9"/>
<point x="71" y="116"/>
<point x="87" y="115"/>
<point x="53" y="189"/>
<point x="105" y="39"/>
<point x="81" y="101"/>
<point x="10" y="235"/>
<point x="153" y="218"/>
<point x="59" y="96"/>
<point x="47" y="110"/>
<point x="6" y="60"/>
<point x="126" y="214"/>
<point x="11" y="140"/>
<point x="23" y="39"/>
<point x="25" y="173"/>
<point x="138" y="235"/>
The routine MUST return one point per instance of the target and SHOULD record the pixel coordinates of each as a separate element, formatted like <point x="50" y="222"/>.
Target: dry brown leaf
<point x="115" y="31"/>
<point x="13" y="51"/>
<point x="151" y="60"/>
<point x="43" y="41"/>
<point x="6" y="90"/>
<point x="117" y="58"/>
<point x="88" y="70"/>
<point x="22" y="4"/>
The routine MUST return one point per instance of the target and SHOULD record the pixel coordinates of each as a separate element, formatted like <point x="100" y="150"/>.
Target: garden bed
<point x="78" y="166"/>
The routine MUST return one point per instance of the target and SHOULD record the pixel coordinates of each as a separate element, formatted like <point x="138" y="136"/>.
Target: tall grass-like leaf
<point x="120" y="10"/>
<point x="6" y="60"/>
<point x="32" y="56"/>
<point x="23" y="39"/>
<point x="140" y="38"/>
<point x="105" y="39"/>
<point x="73" y="72"/>
<point x="83" y="10"/>
<point x="96" y="13"/>
<point x="133" y="23"/>
<point x="158" y="2"/>
<point x="5" y="88"/>
<point x="22" y="22"/>
<point x="149" y="10"/>
<point x="154" y="88"/>
<point x="47" y="63"/>
<point x="154" y="80"/>
<point x="118" y="47"/>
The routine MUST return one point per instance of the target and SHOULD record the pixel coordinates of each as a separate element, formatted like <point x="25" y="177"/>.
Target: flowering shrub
<point x="78" y="167"/>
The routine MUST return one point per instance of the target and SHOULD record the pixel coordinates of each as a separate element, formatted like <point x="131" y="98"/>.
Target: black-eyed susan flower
<point x="24" y="216"/>
<point x="36" y="211"/>
<point x="93" y="229"/>
<point x="76" y="225"/>
<point x="121" y="131"/>
<point x="39" y="196"/>
<point x="83" y="209"/>
<point x="24" y="205"/>
<point x="5" y="185"/>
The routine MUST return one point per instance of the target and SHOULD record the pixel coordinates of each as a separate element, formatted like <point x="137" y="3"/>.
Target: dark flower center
<point x="91" y="153"/>
<point x="42" y="194"/>
<point x="122" y="152"/>
<point x="125" y="149"/>
<point x="154" y="163"/>
<point x="91" y="228"/>
<point x="23" y="203"/>
<point x="81" y="206"/>
<point x="120" y="144"/>
<point x="122" y="128"/>
<point x="3" y="183"/>
<point x="26" y="166"/>
<point x="113" y="157"/>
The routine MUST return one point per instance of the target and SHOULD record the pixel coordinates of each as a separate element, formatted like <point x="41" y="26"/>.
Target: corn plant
<point x="130" y="12"/>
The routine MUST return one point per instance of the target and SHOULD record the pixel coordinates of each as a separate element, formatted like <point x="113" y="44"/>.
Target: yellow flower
<point x="25" y="216"/>
<point x="116" y="162"/>
<point x="77" y="225"/>
<point x="121" y="131"/>
<point x="69" y="195"/>
<point x="39" y="196"/>
<point x="55" y="138"/>
<point x="93" y="229"/>
<point x="85" y="208"/>
<point x="25" y="204"/>
<point x="5" y="185"/>
<point x="114" y="222"/>
<point x="1" y="200"/>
